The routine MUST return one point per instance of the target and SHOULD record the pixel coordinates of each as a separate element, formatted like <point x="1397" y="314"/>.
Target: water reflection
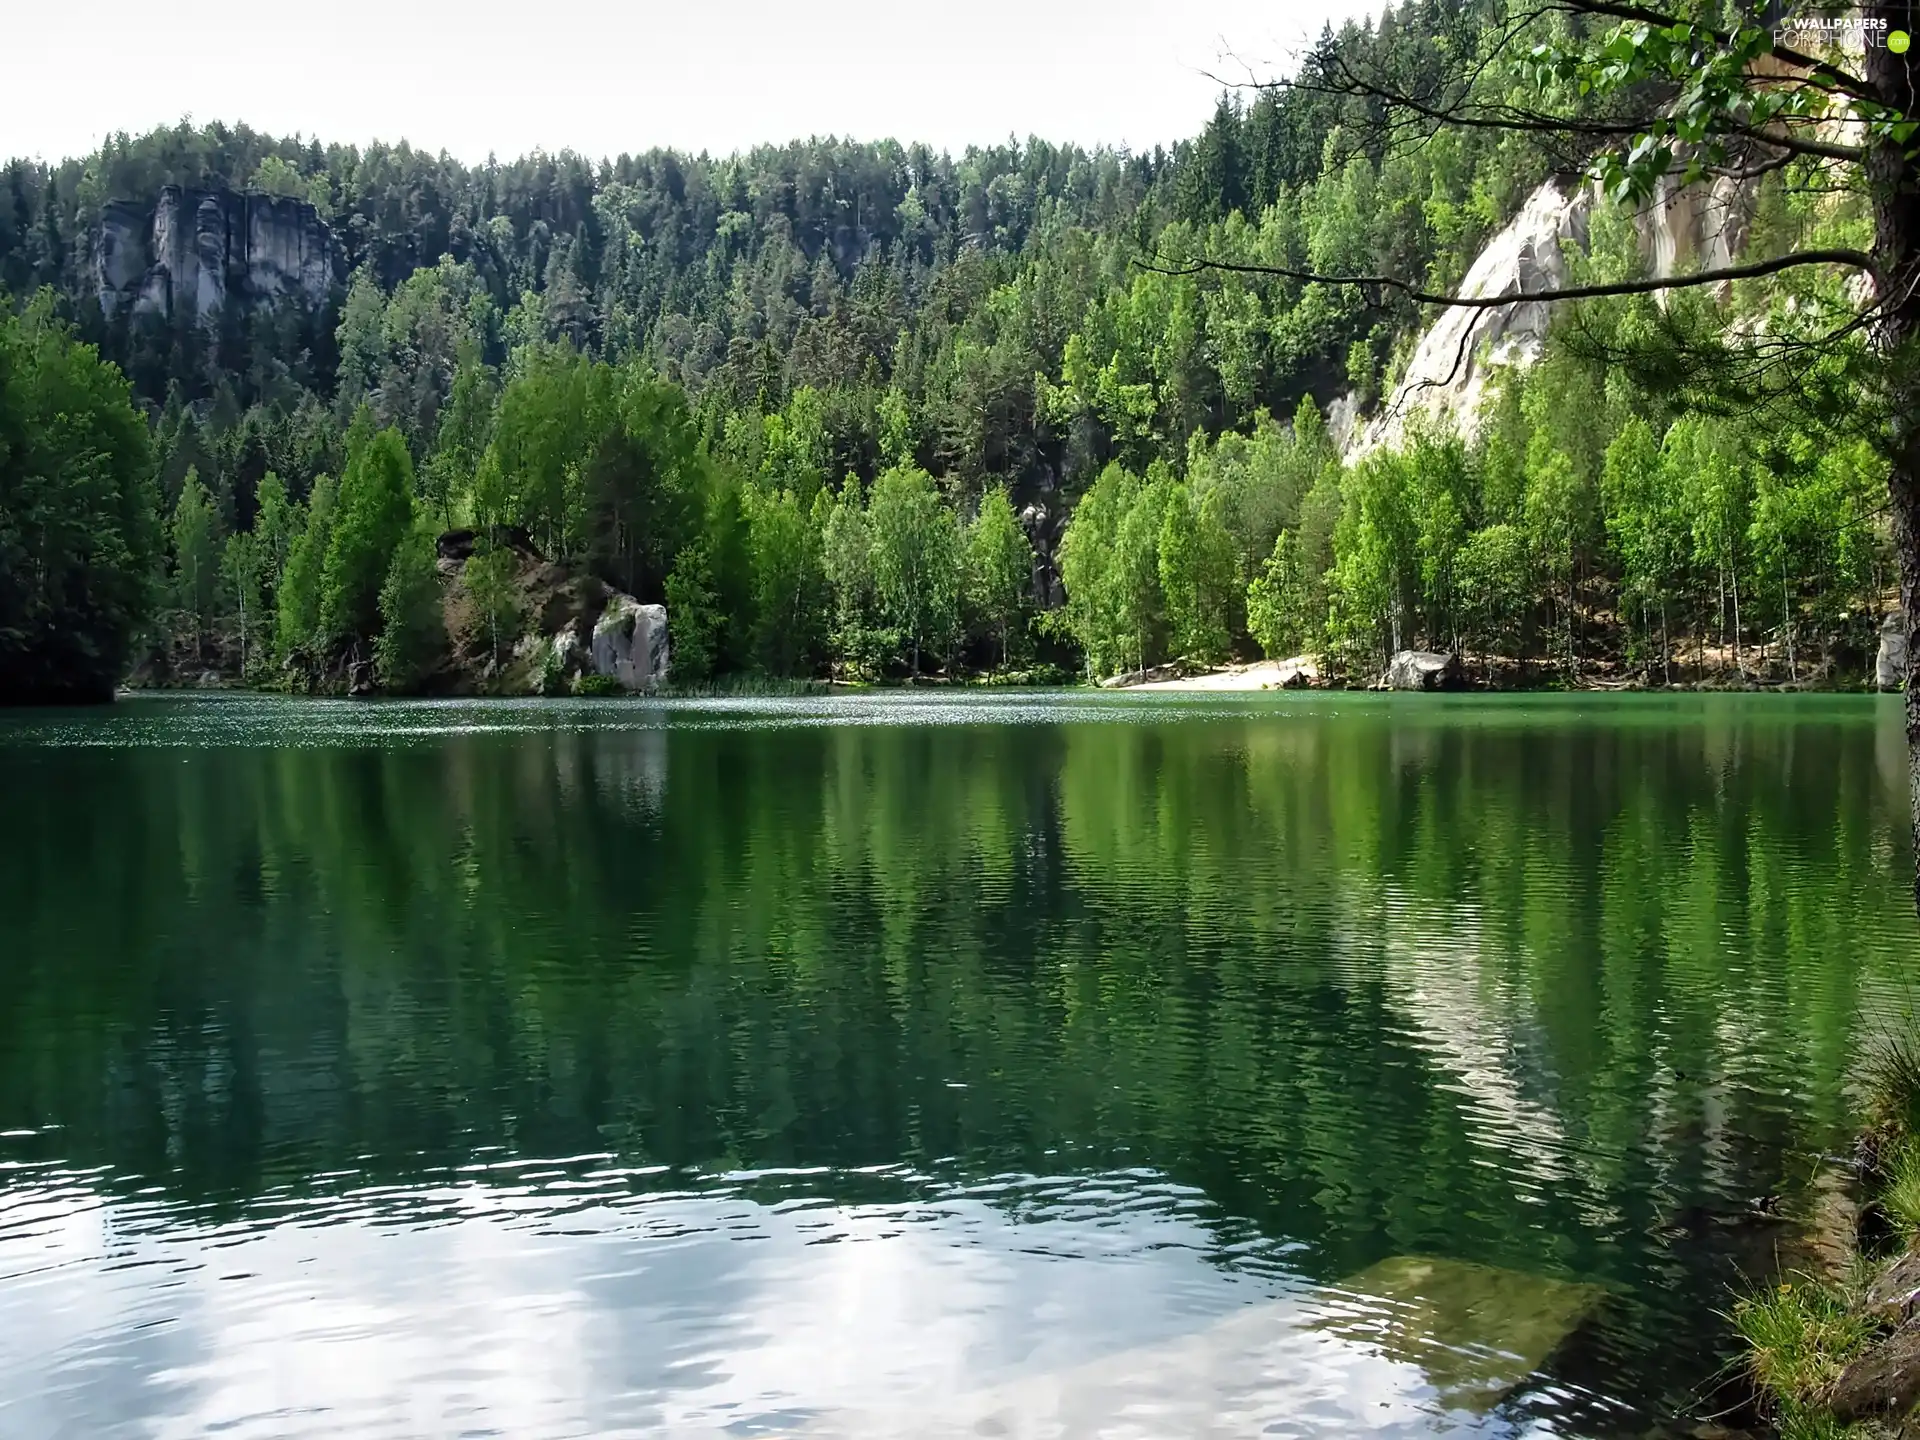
<point x="577" y="1297"/>
<point x="1048" y="1066"/>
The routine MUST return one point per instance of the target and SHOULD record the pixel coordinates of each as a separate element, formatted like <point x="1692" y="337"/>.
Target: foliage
<point x="242" y="580"/>
<point x="1276" y="601"/>
<point x="196" y="551"/>
<point x="1891" y="1083"/>
<point x="1900" y="1195"/>
<point x="1800" y="1334"/>
<point x="916" y="562"/>
<point x="371" y="515"/>
<point x="299" y="589"/>
<point x="790" y="588"/>
<point x="844" y="373"/>
<point x="694" y="622"/>
<point x="79" y="532"/>
<point x="413" y="631"/>
<point x="999" y="569"/>
<point x="489" y="575"/>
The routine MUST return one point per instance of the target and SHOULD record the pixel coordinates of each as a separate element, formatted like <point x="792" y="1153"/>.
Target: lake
<point x="909" y="1065"/>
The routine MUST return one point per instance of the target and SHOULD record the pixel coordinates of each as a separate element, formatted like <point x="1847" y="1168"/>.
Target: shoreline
<point x="1297" y="675"/>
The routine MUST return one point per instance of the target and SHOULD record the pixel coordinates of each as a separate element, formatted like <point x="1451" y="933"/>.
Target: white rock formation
<point x="1446" y="381"/>
<point x="1447" y="378"/>
<point x="630" y="643"/>
<point x="1421" y="670"/>
<point x="1890" y="665"/>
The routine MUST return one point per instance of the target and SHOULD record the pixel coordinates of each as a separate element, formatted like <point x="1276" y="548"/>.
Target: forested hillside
<point x="865" y="409"/>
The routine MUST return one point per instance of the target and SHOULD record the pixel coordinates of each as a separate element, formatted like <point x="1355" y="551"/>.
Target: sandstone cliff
<point x="194" y="251"/>
<point x="1688" y="228"/>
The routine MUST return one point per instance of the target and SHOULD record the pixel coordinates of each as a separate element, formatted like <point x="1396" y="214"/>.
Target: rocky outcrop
<point x="1682" y="228"/>
<point x="1447" y="377"/>
<point x="1421" y="670"/>
<point x="1693" y="227"/>
<point x="1890" y="664"/>
<point x="1894" y="1296"/>
<point x="196" y="251"/>
<point x="630" y="643"/>
<point x="1883" y="1382"/>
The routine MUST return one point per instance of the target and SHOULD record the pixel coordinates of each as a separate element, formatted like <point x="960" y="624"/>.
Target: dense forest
<point x="867" y="410"/>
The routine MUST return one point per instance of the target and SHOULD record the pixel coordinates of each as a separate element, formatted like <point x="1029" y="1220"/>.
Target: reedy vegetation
<point x="798" y="394"/>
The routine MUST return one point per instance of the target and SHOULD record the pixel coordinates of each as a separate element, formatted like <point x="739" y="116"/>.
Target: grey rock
<point x="1893" y="1298"/>
<point x="1884" y="1381"/>
<point x="630" y="643"/>
<point x="360" y="678"/>
<point x="1421" y="670"/>
<point x="195" y="251"/>
<point x="1890" y="665"/>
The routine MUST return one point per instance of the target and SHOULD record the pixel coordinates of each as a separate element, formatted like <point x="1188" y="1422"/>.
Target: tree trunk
<point x="1738" y="663"/>
<point x="1786" y="618"/>
<point x="1895" y="189"/>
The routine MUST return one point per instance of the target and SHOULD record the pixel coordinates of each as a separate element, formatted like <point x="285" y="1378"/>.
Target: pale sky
<point x="603" y="76"/>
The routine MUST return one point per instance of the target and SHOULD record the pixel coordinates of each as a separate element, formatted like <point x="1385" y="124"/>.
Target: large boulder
<point x="1421" y="670"/>
<point x="1883" y="1382"/>
<point x="1890" y="665"/>
<point x="630" y="643"/>
<point x="1893" y="1297"/>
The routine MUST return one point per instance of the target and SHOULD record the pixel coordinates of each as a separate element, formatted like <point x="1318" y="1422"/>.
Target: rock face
<point x="1697" y="226"/>
<point x="1421" y="670"/>
<point x="1890" y="665"/>
<point x="630" y="643"/>
<point x="1884" y="1381"/>
<point x="1447" y="378"/>
<point x="1893" y="1298"/>
<point x="196" y="250"/>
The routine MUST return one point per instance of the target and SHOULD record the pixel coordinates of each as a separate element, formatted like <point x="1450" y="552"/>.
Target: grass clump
<point x="1800" y="1335"/>
<point x="597" y="687"/>
<point x="1891" y="1081"/>
<point x="1900" y="1198"/>
<point x="750" y="687"/>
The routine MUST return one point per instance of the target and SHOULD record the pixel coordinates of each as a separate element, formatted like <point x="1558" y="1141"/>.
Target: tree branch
<point x="1842" y="80"/>
<point x="1467" y="113"/>
<point x="1853" y="259"/>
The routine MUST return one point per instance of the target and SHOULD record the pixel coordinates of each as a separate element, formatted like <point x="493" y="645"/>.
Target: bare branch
<point x="1470" y="114"/>
<point x="1852" y="259"/>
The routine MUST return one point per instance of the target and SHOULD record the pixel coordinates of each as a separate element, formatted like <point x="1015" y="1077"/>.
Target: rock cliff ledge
<point x="195" y="250"/>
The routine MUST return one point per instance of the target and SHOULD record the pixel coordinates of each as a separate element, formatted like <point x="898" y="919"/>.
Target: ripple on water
<point x="558" y="1297"/>
<point x="1292" y="1060"/>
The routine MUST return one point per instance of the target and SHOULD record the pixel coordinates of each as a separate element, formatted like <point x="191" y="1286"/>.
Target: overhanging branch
<point x="1852" y="259"/>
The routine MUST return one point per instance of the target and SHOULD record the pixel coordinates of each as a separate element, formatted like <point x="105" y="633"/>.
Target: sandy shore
<point x="1263" y="675"/>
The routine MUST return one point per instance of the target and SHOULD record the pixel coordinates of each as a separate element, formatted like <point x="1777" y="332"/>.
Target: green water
<point x="778" y="1067"/>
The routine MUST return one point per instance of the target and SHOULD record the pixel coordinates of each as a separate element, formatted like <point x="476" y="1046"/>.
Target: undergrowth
<point x="1800" y="1335"/>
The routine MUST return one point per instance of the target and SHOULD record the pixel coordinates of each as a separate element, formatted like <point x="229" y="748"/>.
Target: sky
<point x="606" y="76"/>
